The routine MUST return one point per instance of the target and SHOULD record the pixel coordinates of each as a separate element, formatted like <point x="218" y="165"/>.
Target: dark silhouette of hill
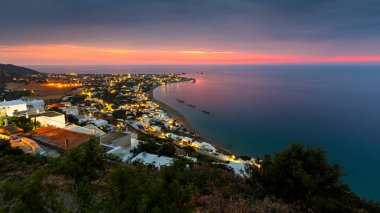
<point x="13" y="69"/>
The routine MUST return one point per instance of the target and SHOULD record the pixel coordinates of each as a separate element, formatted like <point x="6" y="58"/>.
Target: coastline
<point x="180" y="118"/>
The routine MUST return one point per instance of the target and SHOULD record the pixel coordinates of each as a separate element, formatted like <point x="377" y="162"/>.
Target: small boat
<point x="190" y="105"/>
<point x="181" y="101"/>
<point x="206" y="112"/>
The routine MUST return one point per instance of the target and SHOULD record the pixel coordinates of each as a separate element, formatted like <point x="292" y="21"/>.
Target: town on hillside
<point x="49" y="114"/>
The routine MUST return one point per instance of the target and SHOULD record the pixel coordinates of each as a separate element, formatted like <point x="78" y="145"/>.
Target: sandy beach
<point x="182" y="120"/>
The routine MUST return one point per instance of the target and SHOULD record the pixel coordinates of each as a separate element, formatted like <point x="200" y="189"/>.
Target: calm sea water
<point x="262" y="109"/>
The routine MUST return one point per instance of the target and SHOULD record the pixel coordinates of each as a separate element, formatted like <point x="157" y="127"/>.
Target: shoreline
<point x="180" y="118"/>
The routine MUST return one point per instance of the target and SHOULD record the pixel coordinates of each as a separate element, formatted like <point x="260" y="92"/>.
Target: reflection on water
<point x="258" y="110"/>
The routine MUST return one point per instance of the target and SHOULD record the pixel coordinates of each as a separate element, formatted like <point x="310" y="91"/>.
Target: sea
<point x="261" y="109"/>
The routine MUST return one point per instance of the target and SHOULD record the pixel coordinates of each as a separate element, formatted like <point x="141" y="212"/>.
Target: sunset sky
<point x="188" y="31"/>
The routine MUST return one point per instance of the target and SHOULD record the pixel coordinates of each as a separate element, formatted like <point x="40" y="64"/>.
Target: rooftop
<point x="50" y="114"/>
<point x="57" y="105"/>
<point x="10" y="103"/>
<point x="89" y="129"/>
<point x="157" y="161"/>
<point x="59" y="138"/>
<point x="110" y="137"/>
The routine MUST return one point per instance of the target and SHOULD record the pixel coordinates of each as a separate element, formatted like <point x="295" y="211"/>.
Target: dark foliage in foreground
<point x="299" y="175"/>
<point x="83" y="180"/>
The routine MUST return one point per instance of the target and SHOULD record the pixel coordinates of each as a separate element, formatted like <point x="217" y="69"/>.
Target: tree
<point x="167" y="149"/>
<point x="77" y="99"/>
<point x="23" y="122"/>
<point x="149" y="147"/>
<point x="121" y="114"/>
<point x="303" y="175"/>
<point x="129" y="186"/>
<point x="84" y="162"/>
<point x="296" y="173"/>
<point x="32" y="194"/>
<point x="72" y="119"/>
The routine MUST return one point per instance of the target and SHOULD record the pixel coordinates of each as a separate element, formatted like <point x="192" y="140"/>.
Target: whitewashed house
<point x="51" y="118"/>
<point x="157" y="161"/>
<point x="71" y="110"/>
<point x="10" y="108"/>
<point x="207" y="147"/>
<point x="99" y="122"/>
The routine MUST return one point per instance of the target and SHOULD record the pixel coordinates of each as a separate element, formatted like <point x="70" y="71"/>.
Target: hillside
<point x="13" y="69"/>
<point x="85" y="179"/>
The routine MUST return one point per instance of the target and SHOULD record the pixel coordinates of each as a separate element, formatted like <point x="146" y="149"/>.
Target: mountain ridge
<point x="18" y="70"/>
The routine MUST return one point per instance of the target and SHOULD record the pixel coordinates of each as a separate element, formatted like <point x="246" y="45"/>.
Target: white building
<point x="84" y="118"/>
<point x="157" y="161"/>
<point x="122" y="153"/>
<point x="95" y="129"/>
<point x="36" y="104"/>
<point x="71" y="110"/>
<point x="207" y="147"/>
<point x="51" y="118"/>
<point x="132" y="134"/>
<point x="9" y="108"/>
<point x="172" y="136"/>
<point x="100" y="122"/>
<point x="186" y="140"/>
<point x="238" y="168"/>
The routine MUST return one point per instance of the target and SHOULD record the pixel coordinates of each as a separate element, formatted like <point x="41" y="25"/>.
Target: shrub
<point x="149" y="147"/>
<point x="82" y="162"/>
<point x="167" y="149"/>
<point x="25" y="123"/>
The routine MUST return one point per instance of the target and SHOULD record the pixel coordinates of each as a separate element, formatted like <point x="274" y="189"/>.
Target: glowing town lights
<point x="195" y="145"/>
<point x="63" y="85"/>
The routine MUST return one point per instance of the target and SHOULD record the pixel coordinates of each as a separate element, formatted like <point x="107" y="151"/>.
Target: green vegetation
<point x="299" y="175"/>
<point x="84" y="180"/>
<point x="166" y="149"/>
<point x="23" y="122"/>
<point x="121" y="114"/>
<point x="72" y="119"/>
<point x="77" y="99"/>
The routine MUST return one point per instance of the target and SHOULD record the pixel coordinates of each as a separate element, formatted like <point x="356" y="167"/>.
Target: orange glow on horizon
<point x="75" y="54"/>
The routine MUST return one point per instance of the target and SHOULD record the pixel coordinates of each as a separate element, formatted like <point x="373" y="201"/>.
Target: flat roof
<point x="10" y="103"/>
<point x="112" y="136"/>
<point x="86" y="129"/>
<point x="157" y="161"/>
<point x="57" y="137"/>
<point x="50" y="114"/>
